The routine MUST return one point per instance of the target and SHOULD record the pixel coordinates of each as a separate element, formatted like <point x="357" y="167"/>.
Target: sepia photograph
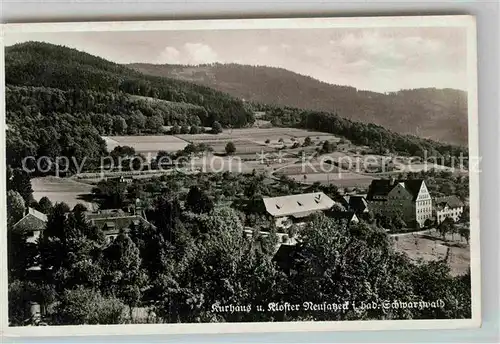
<point x="286" y="172"/>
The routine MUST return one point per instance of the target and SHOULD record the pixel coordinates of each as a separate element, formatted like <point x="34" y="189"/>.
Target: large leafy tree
<point x="19" y="180"/>
<point x="71" y="250"/>
<point x="125" y="277"/>
<point x="15" y="206"/>
<point x="198" y="201"/>
<point x="341" y="263"/>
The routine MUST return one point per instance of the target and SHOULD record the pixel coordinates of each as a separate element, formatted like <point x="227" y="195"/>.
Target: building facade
<point x="445" y="207"/>
<point x="33" y="223"/>
<point x="408" y="198"/>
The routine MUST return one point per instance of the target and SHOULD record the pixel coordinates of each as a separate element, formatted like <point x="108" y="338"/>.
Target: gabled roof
<point x="33" y="220"/>
<point x="356" y="203"/>
<point x="413" y="186"/>
<point x="342" y="215"/>
<point x="379" y="187"/>
<point x="297" y="205"/>
<point x="450" y="201"/>
<point x="382" y="187"/>
<point x="39" y="215"/>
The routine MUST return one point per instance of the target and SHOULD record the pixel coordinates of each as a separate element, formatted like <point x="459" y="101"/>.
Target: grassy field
<point x="147" y="144"/>
<point x="64" y="190"/>
<point x="260" y="135"/>
<point x="344" y="179"/>
<point x="430" y="247"/>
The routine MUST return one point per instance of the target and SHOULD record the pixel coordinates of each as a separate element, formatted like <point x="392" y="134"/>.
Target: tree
<point x="45" y="205"/>
<point x="175" y="130"/>
<point x="216" y="128"/>
<point x="119" y="125"/>
<point x="111" y="193"/>
<point x="21" y="254"/>
<point x="21" y="295"/>
<point x="184" y="129"/>
<point x="82" y="306"/>
<point x="154" y="123"/>
<point x="194" y="130"/>
<point x="124" y="277"/>
<point x="398" y="222"/>
<point x="327" y="147"/>
<point x="446" y="227"/>
<point x="20" y="181"/>
<point x="465" y="216"/>
<point x="70" y="250"/>
<point x="464" y="232"/>
<point x="198" y="201"/>
<point x="15" y="206"/>
<point x="307" y="141"/>
<point x="230" y="148"/>
<point x="337" y="262"/>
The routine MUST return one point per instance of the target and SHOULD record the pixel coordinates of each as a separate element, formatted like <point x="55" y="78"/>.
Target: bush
<point x="86" y="306"/>
<point x="22" y="294"/>
<point x="230" y="148"/>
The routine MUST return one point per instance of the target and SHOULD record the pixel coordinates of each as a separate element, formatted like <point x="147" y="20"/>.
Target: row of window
<point x="424" y="210"/>
<point x="423" y="217"/>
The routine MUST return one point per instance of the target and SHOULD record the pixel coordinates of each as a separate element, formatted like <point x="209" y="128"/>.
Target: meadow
<point x="147" y="144"/>
<point x="61" y="190"/>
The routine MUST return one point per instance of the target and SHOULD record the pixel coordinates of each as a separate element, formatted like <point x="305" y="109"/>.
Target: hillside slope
<point x="48" y="65"/>
<point x="439" y="114"/>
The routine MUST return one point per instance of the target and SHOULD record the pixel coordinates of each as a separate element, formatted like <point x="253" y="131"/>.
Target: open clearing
<point x="260" y="135"/>
<point x="147" y="144"/>
<point x="343" y="179"/>
<point x="430" y="248"/>
<point x="64" y="190"/>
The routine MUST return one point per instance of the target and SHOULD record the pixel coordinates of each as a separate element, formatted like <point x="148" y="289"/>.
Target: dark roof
<point x="413" y="186"/>
<point x="379" y="187"/>
<point x="341" y="215"/>
<point x="117" y="223"/>
<point x="357" y="203"/>
<point x="450" y="201"/>
<point x="342" y="200"/>
<point x="382" y="187"/>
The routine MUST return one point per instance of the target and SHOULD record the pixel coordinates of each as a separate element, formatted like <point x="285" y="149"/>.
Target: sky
<point x="377" y="59"/>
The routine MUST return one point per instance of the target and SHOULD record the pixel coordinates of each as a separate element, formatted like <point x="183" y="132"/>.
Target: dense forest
<point x="50" y="122"/>
<point x="438" y="114"/>
<point x="48" y="65"/>
<point x="196" y="257"/>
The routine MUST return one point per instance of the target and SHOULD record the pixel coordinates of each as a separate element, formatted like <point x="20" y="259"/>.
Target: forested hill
<point x="58" y="67"/>
<point x="439" y="114"/>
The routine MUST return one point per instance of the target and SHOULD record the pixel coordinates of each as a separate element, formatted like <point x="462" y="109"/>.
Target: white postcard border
<point x="464" y="21"/>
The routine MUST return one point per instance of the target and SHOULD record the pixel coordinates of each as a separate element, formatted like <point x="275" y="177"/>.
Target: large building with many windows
<point x="409" y="198"/>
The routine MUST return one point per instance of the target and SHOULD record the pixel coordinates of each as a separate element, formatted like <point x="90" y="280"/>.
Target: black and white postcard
<point x="214" y="176"/>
